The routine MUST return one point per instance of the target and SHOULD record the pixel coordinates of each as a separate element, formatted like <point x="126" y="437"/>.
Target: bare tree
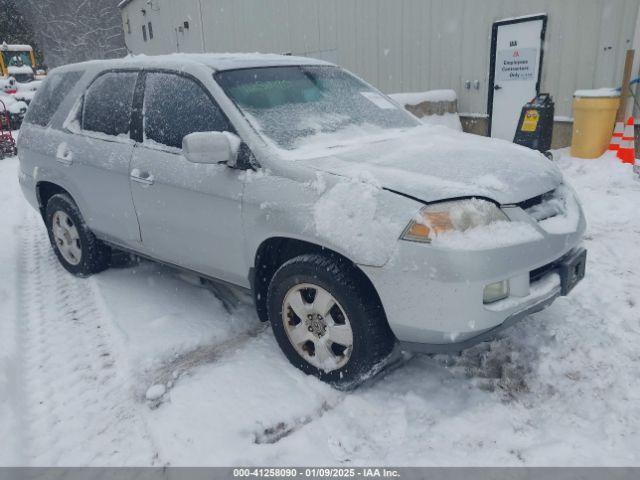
<point x="75" y="30"/>
<point x="14" y="28"/>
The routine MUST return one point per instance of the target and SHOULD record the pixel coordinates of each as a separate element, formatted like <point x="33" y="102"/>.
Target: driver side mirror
<point x="211" y="147"/>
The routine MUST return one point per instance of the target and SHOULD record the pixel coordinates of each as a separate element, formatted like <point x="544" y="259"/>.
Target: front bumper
<point x="433" y="298"/>
<point x="558" y="279"/>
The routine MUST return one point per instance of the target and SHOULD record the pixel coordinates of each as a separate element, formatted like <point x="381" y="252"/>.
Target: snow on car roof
<point x="216" y="61"/>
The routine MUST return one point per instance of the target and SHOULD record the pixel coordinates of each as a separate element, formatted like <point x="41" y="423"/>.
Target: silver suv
<point x="356" y="227"/>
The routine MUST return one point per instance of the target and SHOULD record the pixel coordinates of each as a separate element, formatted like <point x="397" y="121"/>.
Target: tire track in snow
<point x="276" y="432"/>
<point x="78" y="404"/>
<point x="185" y="363"/>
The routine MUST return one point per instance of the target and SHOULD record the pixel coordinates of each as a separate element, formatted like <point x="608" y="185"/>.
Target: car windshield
<point x="296" y="106"/>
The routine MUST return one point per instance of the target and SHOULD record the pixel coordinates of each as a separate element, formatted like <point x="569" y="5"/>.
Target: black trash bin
<point x="535" y="127"/>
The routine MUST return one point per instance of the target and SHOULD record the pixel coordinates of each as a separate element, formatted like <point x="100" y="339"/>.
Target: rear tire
<point x="319" y="343"/>
<point x="77" y="248"/>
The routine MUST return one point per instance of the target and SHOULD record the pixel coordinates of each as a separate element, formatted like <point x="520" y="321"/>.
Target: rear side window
<point x="175" y="106"/>
<point x="107" y="103"/>
<point x="49" y="97"/>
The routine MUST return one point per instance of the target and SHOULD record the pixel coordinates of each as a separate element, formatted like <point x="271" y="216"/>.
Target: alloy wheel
<point x="67" y="238"/>
<point x="317" y="326"/>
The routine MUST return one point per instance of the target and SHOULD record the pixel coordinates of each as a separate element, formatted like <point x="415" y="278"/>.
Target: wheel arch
<point x="273" y="252"/>
<point x="44" y="191"/>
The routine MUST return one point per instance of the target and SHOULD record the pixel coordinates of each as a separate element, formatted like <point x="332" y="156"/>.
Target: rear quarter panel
<point x="37" y="153"/>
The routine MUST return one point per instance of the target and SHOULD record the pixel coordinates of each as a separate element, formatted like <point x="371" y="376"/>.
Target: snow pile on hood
<point x="434" y="163"/>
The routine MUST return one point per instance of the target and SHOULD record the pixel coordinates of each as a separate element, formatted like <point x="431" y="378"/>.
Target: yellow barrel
<point x="593" y="122"/>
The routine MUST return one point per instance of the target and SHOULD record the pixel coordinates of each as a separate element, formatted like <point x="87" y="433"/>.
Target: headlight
<point x="457" y="215"/>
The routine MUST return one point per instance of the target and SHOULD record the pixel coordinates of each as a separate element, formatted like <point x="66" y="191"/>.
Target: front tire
<point x="327" y="321"/>
<point x="77" y="248"/>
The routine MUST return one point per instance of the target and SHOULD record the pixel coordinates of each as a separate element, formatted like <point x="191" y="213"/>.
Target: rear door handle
<point x="144" y="178"/>
<point x="497" y="87"/>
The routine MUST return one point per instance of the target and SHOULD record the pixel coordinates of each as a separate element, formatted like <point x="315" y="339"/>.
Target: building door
<point x="514" y="75"/>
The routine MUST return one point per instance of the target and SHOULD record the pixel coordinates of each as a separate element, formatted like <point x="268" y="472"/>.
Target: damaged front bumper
<point x="433" y="297"/>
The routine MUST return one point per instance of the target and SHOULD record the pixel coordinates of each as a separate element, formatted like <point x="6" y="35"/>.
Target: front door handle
<point x="144" y="178"/>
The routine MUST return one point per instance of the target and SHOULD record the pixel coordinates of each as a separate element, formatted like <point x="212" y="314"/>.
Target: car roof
<point x="215" y="61"/>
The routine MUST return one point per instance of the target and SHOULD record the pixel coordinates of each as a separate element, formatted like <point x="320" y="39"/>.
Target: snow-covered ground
<point x="78" y="358"/>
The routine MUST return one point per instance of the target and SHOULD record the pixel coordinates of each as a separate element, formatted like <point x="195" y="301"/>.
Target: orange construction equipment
<point x="627" y="150"/>
<point x="617" y="137"/>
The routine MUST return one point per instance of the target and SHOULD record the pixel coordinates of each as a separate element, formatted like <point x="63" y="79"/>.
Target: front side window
<point x="49" y="97"/>
<point x="175" y="106"/>
<point x="107" y="104"/>
<point x="300" y="105"/>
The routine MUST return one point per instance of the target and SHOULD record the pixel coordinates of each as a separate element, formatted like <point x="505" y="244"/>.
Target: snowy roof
<point x="15" y="47"/>
<point x="216" y="61"/>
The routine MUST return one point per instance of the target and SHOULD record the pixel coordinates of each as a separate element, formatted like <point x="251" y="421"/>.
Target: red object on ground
<point x="7" y="142"/>
<point x="627" y="150"/>
<point x="617" y="137"/>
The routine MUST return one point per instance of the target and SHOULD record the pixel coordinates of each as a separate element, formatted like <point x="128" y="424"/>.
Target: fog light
<point x="495" y="291"/>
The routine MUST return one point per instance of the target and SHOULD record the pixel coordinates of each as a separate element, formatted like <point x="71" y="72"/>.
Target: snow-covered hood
<point x="435" y="163"/>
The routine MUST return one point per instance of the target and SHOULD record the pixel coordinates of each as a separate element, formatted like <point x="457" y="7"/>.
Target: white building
<point x="408" y="45"/>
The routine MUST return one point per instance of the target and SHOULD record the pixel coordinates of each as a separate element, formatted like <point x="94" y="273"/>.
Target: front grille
<point x="547" y="205"/>
<point x="532" y="202"/>
<point x="538" y="273"/>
